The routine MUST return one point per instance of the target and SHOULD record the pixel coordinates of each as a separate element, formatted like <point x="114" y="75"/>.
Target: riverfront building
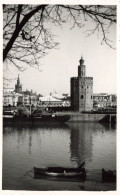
<point x="81" y="90"/>
<point x="6" y="87"/>
<point x="53" y="102"/>
<point x="104" y="100"/>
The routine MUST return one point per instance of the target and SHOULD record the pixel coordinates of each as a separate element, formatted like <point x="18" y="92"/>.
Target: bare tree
<point x="27" y="34"/>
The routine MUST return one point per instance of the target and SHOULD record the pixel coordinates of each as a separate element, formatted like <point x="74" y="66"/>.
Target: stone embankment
<point x="89" y="117"/>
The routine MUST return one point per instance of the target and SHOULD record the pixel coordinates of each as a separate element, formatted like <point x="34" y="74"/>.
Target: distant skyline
<point x="61" y="64"/>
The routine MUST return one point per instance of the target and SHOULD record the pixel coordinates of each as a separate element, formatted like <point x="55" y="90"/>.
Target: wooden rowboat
<point x="61" y="171"/>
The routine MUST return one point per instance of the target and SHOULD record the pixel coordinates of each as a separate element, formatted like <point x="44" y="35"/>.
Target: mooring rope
<point x="28" y="171"/>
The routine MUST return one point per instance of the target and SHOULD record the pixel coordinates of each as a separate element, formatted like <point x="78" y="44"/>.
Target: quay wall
<point x="87" y="117"/>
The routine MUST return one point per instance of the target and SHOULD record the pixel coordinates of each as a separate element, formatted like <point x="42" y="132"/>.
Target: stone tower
<point x="18" y="86"/>
<point x="81" y="90"/>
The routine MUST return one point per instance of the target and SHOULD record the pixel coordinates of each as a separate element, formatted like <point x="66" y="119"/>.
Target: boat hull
<point x="108" y="175"/>
<point x="60" y="172"/>
<point x="34" y="120"/>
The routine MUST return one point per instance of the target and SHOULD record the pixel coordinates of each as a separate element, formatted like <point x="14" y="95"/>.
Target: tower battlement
<point x="74" y="78"/>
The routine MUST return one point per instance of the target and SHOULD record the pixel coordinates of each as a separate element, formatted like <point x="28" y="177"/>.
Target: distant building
<point x="103" y="100"/>
<point x="81" y="90"/>
<point x="50" y="101"/>
<point x="18" y="86"/>
<point x="59" y="95"/>
<point x="7" y="87"/>
<point x="10" y="99"/>
<point x="27" y="100"/>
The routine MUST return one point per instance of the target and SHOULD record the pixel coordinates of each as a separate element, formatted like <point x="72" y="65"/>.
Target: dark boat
<point x="8" y="116"/>
<point x="49" y="118"/>
<point x="61" y="171"/>
<point x="108" y="175"/>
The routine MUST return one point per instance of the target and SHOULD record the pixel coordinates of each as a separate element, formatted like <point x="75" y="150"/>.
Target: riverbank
<point x="89" y="117"/>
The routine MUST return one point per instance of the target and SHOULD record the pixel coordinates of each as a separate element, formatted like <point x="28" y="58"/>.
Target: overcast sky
<point x="62" y="64"/>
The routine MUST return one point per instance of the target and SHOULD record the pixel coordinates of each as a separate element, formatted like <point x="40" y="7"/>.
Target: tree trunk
<point x="18" y="29"/>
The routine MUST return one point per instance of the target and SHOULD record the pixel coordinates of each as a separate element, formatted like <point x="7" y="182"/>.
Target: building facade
<point x="7" y="87"/>
<point x="10" y="99"/>
<point x="50" y="102"/>
<point x="104" y="100"/>
<point x="18" y="86"/>
<point x="81" y="90"/>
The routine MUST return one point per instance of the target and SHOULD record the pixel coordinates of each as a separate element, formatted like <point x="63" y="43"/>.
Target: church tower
<point x="82" y="90"/>
<point x="18" y="86"/>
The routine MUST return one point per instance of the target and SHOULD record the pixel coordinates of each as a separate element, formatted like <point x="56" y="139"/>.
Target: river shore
<point x="89" y="117"/>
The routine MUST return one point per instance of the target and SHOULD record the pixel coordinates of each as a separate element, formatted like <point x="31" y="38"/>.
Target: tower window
<point x="91" y="96"/>
<point x="81" y="96"/>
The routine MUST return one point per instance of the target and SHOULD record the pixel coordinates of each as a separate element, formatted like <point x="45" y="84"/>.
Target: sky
<point x="61" y="64"/>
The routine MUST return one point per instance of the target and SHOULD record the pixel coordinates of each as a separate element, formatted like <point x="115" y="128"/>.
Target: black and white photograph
<point x="59" y="96"/>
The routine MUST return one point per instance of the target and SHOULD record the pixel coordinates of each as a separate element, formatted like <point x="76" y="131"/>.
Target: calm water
<point x="56" y="145"/>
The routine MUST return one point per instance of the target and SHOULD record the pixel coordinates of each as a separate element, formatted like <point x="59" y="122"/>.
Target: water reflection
<point x="24" y="134"/>
<point x="81" y="139"/>
<point x="81" y="142"/>
<point x="26" y="146"/>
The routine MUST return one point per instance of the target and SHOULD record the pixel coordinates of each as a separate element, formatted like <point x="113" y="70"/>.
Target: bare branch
<point x="18" y="15"/>
<point x="28" y="35"/>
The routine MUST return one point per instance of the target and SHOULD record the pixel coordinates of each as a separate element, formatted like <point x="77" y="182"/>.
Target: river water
<point x="26" y="146"/>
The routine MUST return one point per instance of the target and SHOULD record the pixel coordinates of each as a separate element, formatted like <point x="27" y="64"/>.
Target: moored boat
<point x="108" y="175"/>
<point x="61" y="171"/>
<point x="51" y="118"/>
<point x="8" y="114"/>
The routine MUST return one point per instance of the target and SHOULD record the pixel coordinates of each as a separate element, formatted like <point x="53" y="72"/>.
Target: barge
<point x="12" y="118"/>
